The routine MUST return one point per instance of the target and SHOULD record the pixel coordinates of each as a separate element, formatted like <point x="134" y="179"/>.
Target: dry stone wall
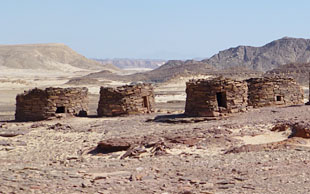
<point x="126" y="100"/>
<point x="271" y="91"/>
<point x="38" y="104"/>
<point x="215" y="97"/>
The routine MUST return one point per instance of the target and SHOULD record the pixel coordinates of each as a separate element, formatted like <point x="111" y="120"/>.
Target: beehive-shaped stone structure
<point x="126" y="100"/>
<point x="272" y="91"/>
<point x="215" y="97"/>
<point x="38" y="104"/>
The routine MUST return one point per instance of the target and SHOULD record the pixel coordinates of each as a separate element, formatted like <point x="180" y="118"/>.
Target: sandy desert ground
<point x="168" y="153"/>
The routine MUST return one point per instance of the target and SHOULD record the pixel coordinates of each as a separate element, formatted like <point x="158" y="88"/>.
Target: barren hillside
<point x="298" y="71"/>
<point x="47" y="57"/>
<point x="270" y="56"/>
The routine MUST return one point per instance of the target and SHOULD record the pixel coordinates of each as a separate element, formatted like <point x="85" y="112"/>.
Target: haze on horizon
<point x="161" y="29"/>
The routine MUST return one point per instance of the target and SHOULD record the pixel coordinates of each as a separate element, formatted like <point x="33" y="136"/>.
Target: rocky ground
<point x="161" y="153"/>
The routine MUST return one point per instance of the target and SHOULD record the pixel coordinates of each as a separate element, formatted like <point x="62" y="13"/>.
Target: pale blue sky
<point x="162" y="29"/>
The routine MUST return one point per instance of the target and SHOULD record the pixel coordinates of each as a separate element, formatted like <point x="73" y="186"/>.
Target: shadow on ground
<point x="181" y="118"/>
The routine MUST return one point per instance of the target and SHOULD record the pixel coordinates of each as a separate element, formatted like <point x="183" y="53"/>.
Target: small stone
<point x="139" y="169"/>
<point x="86" y="183"/>
<point x="4" y="143"/>
<point x="193" y="181"/>
<point x="11" y="133"/>
<point x="180" y="174"/>
<point x="9" y="148"/>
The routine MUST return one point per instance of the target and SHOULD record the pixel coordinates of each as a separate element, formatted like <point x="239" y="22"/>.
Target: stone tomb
<point x="126" y="100"/>
<point x="215" y="97"/>
<point x="38" y="104"/>
<point x="273" y="91"/>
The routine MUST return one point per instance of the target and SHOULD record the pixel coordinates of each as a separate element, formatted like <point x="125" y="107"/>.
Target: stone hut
<point x="38" y="104"/>
<point x="126" y="100"/>
<point x="215" y="97"/>
<point x="271" y="91"/>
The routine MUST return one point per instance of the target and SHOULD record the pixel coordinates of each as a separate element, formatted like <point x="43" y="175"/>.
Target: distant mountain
<point x="47" y="57"/>
<point x="169" y="70"/>
<point x="270" y="56"/>
<point x="176" y="68"/>
<point x="172" y="69"/>
<point x="298" y="71"/>
<point x="239" y="62"/>
<point x="133" y="63"/>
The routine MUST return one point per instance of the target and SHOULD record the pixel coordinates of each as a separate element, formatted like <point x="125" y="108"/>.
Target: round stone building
<point x="126" y="100"/>
<point x="215" y="97"/>
<point x="38" y="104"/>
<point x="274" y="91"/>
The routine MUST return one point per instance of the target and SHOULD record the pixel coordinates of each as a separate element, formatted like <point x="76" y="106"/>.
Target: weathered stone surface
<point x="221" y="96"/>
<point x="125" y="100"/>
<point x="300" y="130"/>
<point x="216" y="97"/>
<point x="37" y="104"/>
<point x="281" y="127"/>
<point x="272" y="91"/>
<point x="114" y="145"/>
<point x="284" y="144"/>
<point x="11" y="133"/>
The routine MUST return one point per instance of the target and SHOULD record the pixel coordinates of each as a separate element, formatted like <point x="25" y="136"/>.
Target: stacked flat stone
<point x="202" y="99"/>
<point x="38" y="104"/>
<point x="126" y="100"/>
<point x="271" y="91"/>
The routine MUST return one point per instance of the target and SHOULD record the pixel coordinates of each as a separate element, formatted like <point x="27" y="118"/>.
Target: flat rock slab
<point x="134" y="146"/>
<point x="11" y="133"/>
<point x="114" y="145"/>
<point x="291" y="143"/>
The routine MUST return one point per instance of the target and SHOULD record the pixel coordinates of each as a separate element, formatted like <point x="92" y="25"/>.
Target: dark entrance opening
<point x="145" y="102"/>
<point x="279" y="98"/>
<point x="61" y="109"/>
<point x="221" y="99"/>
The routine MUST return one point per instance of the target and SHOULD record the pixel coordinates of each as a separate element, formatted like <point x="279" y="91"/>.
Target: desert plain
<point x="249" y="152"/>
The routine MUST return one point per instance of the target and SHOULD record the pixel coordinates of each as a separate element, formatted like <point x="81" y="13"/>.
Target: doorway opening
<point x="221" y="99"/>
<point x="278" y="98"/>
<point x="146" y="102"/>
<point x="61" y="109"/>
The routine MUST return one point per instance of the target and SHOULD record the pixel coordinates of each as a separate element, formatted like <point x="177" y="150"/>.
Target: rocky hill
<point x="177" y="68"/>
<point x="298" y="71"/>
<point x="46" y="57"/>
<point x="133" y="63"/>
<point x="172" y="69"/>
<point x="239" y="62"/>
<point x="270" y="56"/>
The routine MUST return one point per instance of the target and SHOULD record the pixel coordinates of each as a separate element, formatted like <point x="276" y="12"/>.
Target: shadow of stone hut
<point x="38" y="104"/>
<point x="126" y="100"/>
<point x="215" y="97"/>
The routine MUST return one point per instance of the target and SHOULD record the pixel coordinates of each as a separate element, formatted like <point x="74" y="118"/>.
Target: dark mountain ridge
<point x="241" y="61"/>
<point x="272" y="55"/>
